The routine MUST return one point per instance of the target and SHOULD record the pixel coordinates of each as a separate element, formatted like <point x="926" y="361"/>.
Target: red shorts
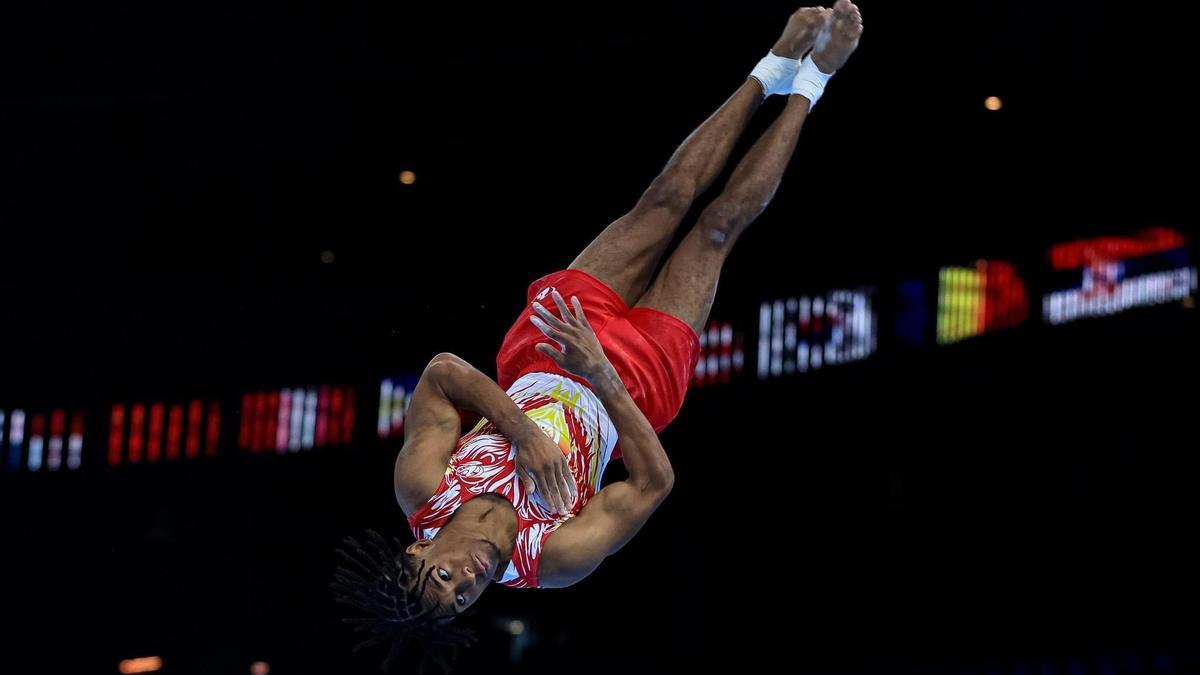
<point x="654" y="353"/>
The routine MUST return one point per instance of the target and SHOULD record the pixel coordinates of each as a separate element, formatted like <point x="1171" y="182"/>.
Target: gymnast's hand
<point x="579" y="349"/>
<point x="543" y="467"/>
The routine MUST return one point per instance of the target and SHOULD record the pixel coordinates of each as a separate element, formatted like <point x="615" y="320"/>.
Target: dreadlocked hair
<point x="382" y="586"/>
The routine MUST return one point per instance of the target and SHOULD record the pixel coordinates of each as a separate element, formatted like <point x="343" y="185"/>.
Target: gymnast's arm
<point x="431" y="426"/>
<point x="618" y="511"/>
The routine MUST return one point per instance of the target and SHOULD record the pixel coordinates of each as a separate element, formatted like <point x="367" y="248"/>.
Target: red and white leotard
<point x="653" y="352"/>
<point x="484" y="461"/>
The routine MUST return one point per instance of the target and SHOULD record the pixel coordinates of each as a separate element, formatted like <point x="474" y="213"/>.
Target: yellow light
<point x="516" y="627"/>
<point x="408" y="177"/>
<point x="145" y="664"/>
<point x="993" y="103"/>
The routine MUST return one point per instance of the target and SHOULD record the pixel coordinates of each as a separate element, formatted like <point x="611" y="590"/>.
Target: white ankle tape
<point x="776" y="74"/>
<point x="810" y="81"/>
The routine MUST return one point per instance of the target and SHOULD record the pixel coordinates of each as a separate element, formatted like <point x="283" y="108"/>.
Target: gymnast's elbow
<point x="658" y="481"/>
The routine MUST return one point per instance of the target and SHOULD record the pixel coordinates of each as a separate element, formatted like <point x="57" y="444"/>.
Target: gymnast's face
<point x="453" y="572"/>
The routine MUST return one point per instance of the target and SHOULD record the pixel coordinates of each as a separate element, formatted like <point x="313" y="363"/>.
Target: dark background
<point x="1020" y="503"/>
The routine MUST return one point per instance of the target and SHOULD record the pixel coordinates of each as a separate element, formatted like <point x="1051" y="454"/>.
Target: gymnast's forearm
<point x="649" y="467"/>
<point x="466" y="387"/>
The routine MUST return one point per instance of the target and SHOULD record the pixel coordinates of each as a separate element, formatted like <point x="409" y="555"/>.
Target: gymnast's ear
<point x="418" y="547"/>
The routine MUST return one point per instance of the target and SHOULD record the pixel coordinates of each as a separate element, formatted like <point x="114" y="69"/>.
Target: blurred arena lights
<point x="145" y="664"/>
<point x="1109" y="275"/>
<point x="169" y="431"/>
<point x="972" y="301"/>
<point x="805" y="333"/>
<point x="395" y="393"/>
<point x="295" y="418"/>
<point x="51" y="440"/>
<point x="722" y="354"/>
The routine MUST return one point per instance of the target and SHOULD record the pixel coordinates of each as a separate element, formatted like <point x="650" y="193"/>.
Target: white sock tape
<point x="775" y="74"/>
<point x="810" y="81"/>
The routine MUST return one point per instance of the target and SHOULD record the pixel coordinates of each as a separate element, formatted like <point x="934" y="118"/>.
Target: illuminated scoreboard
<point x="805" y="333"/>
<point x="722" y="354"/>
<point x="1110" y="275"/>
<point x="36" y="441"/>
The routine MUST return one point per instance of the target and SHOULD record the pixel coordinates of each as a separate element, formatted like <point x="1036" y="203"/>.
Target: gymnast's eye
<point x="443" y="574"/>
